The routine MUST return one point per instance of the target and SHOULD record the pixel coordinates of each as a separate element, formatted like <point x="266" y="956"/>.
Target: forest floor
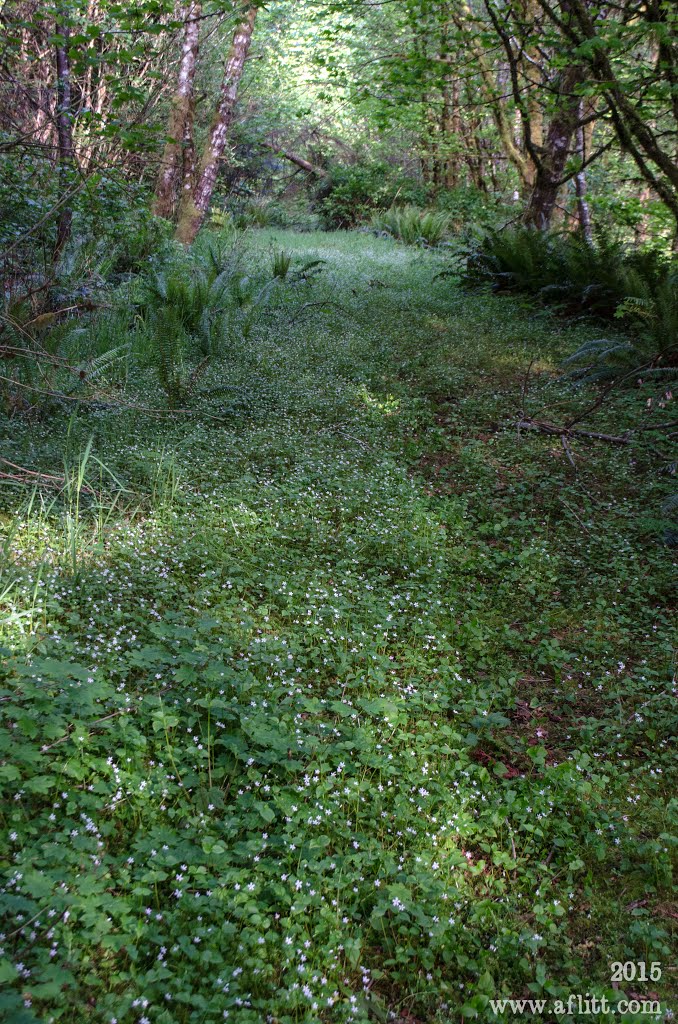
<point x="351" y="701"/>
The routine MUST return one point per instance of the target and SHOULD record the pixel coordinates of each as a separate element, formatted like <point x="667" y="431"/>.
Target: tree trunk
<point x="635" y="133"/>
<point x="451" y="128"/>
<point x="64" y="125"/>
<point x="472" y="152"/>
<point x="580" y="186"/>
<point x="493" y="96"/>
<point x="557" y="142"/>
<point x="195" y="203"/>
<point x="180" y="126"/>
<point x="532" y="70"/>
<point x="188" y="156"/>
<point x="641" y="231"/>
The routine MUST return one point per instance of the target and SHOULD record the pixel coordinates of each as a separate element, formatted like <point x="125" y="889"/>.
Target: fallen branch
<point x="568" y="450"/>
<point x="526" y="382"/>
<point x="299" y="161"/>
<point x="657" y="426"/>
<point x="311" y="305"/>
<point x="606" y="391"/>
<point x="561" y="431"/>
<point x="30" y="476"/>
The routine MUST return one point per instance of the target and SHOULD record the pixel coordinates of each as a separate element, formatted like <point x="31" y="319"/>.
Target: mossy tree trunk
<point x="195" y="202"/>
<point x="555" y="150"/>
<point x="180" y="126"/>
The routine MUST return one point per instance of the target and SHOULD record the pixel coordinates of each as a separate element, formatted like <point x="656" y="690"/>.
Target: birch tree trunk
<point x="180" y="126"/>
<point x="195" y="202"/>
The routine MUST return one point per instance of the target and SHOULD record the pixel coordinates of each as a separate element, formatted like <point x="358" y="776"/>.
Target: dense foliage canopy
<point x="554" y="113"/>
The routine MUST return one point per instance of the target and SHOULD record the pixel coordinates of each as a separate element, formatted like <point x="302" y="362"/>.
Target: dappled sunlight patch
<point x="386" y="405"/>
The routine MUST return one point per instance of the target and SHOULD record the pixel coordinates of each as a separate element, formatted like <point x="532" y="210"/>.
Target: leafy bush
<point x="349" y="195"/>
<point x="296" y="212"/>
<point x="650" y="309"/>
<point x="138" y="242"/>
<point x="27" y="194"/>
<point x="468" y="204"/>
<point x="411" y="225"/>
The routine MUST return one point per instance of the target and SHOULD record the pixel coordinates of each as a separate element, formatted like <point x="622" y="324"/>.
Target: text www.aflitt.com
<point x="575" y="1004"/>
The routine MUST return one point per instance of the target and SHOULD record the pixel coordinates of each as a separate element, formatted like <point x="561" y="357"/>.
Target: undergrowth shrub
<point x="138" y="242"/>
<point x="637" y="288"/>
<point x="50" y="359"/>
<point x="251" y="213"/>
<point x="283" y="269"/>
<point x="348" y="196"/>
<point x="563" y="270"/>
<point x="411" y="225"/>
<point x="178" y="307"/>
<point x="650" y="310"/>
<point x="281" y="264"/>
<point x="192" y="309"/>
<point x="468" y="204"/>
<point x="295" y="212"/>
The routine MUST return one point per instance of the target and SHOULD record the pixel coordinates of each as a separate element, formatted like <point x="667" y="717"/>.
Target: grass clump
<point x="411" y="225"/>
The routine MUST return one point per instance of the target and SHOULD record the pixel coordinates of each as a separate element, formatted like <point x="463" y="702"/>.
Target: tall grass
<point x="62" y="522"/>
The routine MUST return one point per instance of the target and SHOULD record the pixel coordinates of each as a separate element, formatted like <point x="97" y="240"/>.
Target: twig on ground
<point x="568" y="451"/>
<point x="562" y="431"/>
<point x="310" y="305"/>
<point x="657" y="426"/>
<point x="605" y="392"/>
<point x="28" y="476"/>
<point x="526" y="381"/>
<point x="357" y="440"/>
<point x="580" y="521"/>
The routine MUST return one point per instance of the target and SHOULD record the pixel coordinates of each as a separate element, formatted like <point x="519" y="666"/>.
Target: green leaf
<point x="7" y="972"/>
<point x="265" y="810"/>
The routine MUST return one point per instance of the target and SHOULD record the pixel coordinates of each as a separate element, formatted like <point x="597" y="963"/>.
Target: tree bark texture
<point x="180" y="127"/>
<point x="554" y="151"/>
<point x="580" y="185"/>
<point x="195" y="202"/>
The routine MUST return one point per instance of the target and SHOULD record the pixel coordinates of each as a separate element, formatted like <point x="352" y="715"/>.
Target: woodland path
<point x="332" y="724"/>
